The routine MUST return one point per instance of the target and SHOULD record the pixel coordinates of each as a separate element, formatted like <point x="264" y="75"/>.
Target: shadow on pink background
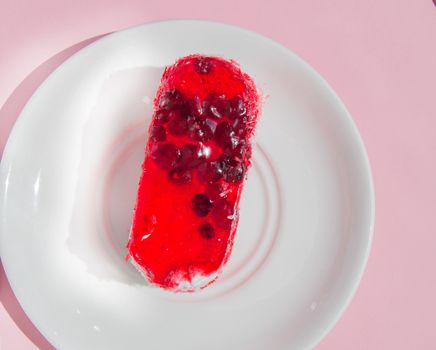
<point x="17" y="314"/>
<point x="379" y="56"/>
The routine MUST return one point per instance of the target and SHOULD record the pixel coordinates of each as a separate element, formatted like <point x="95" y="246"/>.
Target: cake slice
<point x="196" y="160"/>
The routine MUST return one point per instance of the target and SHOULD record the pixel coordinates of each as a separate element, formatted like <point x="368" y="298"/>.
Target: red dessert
<point x="196" y="160"/>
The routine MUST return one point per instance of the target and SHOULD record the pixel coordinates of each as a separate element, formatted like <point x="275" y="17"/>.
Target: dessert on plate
<point x="196" y="159"/>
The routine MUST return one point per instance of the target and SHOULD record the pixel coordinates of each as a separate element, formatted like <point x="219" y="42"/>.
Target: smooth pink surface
<point x="379" y="56"/>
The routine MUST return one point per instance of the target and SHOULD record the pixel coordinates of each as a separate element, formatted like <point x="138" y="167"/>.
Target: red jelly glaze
<point x="195" y="163"/>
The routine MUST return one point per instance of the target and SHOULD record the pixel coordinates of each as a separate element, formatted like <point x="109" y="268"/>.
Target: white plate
<point x="68" y="180"/>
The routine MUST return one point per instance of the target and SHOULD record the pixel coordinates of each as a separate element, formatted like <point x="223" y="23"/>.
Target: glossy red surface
<point x="195" y="164"/>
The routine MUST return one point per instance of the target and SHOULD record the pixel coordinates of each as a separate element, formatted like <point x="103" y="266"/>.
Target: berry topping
<point x="166" y="156"/>
<point x="170" y="99"/>
<point x="201" y="130"/>
<point x="191" y="156"/>
<point x="239" y="153"/>
<point x="178" y="126"/>
<point x="238" y="109"/>
<point x="203" y="65"/>
<point x="180" y="176"/>
<point x="217" y="106"/>
<point x="210" y="172"/>
<point x="158" y="133"/>
<point x="162" y="116"/>
<point x="206" y="230"/>
<point x="233" y="170"/>
<point x="196" y="107"/>
<point x="225" y="136"/>
<point x="201" y="204"/>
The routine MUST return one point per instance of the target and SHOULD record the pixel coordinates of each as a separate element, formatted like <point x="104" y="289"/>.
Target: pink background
<point x="379" y="56"/>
